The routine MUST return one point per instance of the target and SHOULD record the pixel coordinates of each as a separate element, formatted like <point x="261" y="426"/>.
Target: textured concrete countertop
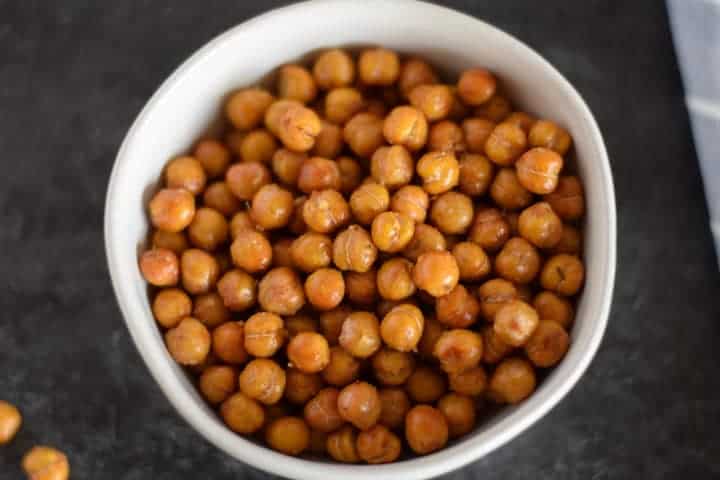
<point x="74" y="74"/>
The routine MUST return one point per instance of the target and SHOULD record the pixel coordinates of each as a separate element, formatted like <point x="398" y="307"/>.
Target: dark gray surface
<point x="74" y="74"/>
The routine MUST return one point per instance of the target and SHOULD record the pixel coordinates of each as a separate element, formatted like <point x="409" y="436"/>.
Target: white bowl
<point x="191" y="99"/>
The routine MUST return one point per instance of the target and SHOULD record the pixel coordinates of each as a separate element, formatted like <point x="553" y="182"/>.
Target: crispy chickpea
<point x="446" y="136"/>
<point x="329" y="142"/>
<point x="46" y="463"/>
<point x="452" y="213"/>
<point x="394" y="279"/>
<point x="553" y="307"/>
<point x="217" y="383"/>
<point x="431" y="333"/>
<point x="458" y="349"/>
<point x="309" y="352"/>
<point x="394" y="405"/>
<point x="239" y="222"/>
<point x="238" y="290"/>
<point x="496" y="109"/>
<point x="318" y="173"/>
<point x="476" y="174"/>
<point x="301" y="387"/>
<point x="476" y="131"/>
<point x="505" y="144"/>
<point x="378" y="66"/>
<point x="185" y="172"/>
<point x="406" y="126"/>
<point x="548" y="344"/>
<point x="228" y="343"/>
<point x="263" y="380"/>
<point x="174" y="241"/>
<point x="494" y="349"/>
<point x="172" y="209"/>
<point x="189" y="342"/>
<point x="425" y="385"/>
<point x="272" y="207"/>
<point x="540" y="225"/>
<point x="476" y="86"/>
<point x="547" y="134"/>
<point x="341" y="445"/>
<point x="219" y="197"/>
<point x="378" y="445"/>
<point x="351" y="174"/>
<point x="321" y="412"/>
<point x="354" y="250"/>
<point x="281" y="292"/>
<point x="325" y="288"/>
<point x="563" y="274"/>
<point x="331" y="323"/>
<point x="457" y="309"/>
<point x="472" y="261"/>
<point x="392" y="367"/>
<point x="570" y="241"/>
<point x="325" y="211"/>
<point x="286" y="165"/>
<point x="359" y="404"/>
<point x="364" y="133"/>
<point x="360" y="334"/>
<point x="402" y="327"/>
<point x="392" y="231"/>
<point x="251" y="251"/>
<point x="289" y="435"/>
<point x="493" y="294"/>
<point x="459" y="411"/>
<point x="297" y="127"/>
<point x="439" y="172"/>
<point x="515" y="323"/>
<point x="342" y="103"/>
<point x="213" y="156"/>
<point x="245" y="179"/>
<point x="311" y="251"/>
<point x="170" y="306"/>
<point x="434" y="101"/>
<point x="210" y="309"/>
<point x="160" y="267"/>
<point x="361" y="288"/>
<point x="426" y="239"/>
<point x="296" y="83"/>
<point x="518" y="261"/>
<point x="411" y="201"/>
<point x="258" y="146"/>
<point x="242" y="414"/>
<point x="392" y="166"/>
<point x="426" y="429"/>
<point x="567" y="200"/>
<point x="415" y="72"/>
<point x="368" y="201"/>
<point x="471" y="382"/>
<point x="538" y="170"/>
<point x="264" y="334"/>
<point x="490" y="229"/>
<point x="342" y="369"/>
<point x="507" y="192"/>
<point x="436" y="272"/>
<point x="523" y="120"/>
<point x="10" y="421"/>
<point x="208" y="230"/>
<point x="246" y="108"/>
<point x="512" y="381"/>
<point x="333" y="69"/>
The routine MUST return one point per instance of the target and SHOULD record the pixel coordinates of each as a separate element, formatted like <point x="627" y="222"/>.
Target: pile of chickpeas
<point x="369" y="258"/>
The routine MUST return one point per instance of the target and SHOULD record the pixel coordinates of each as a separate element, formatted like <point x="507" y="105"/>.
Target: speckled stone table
<point x="74" y="74"/>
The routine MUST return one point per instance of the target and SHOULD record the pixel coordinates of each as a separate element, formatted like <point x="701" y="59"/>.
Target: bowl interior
<point x="191" y="100"/>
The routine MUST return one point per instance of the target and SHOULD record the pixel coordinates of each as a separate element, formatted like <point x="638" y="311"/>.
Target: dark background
<point x="74" y="74"/>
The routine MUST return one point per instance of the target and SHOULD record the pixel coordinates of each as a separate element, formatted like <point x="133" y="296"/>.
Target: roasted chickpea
<point x="189" y="342"/>
<point x="281" y="292"/>
<point x="431" y="333"/>
<point x="567" y="200"/>
<point x="170" y="306"/>
<point x="353" y="250"/>
<point x="563" y="274"/>
<point x="217" y="383"/>
<point x="245" y="179"/>
<point x="160" y="267"/>
<point x="264" y="334"/>
<point x="392" y="231"/>
<point x="238" y="290"/>
<point x="439" y="172"/>
<point x="289" y="435"/>
<point x="360" y="334"/>
<point x="515" y="323"/>
<point x="239" y="222"/>
<point x="213" y="156"/>
<point x="185" y="172"/>
<point x="361" y="288"/>
<point x="459" y="411"/>
<point x="570" y="241"/>
<point x="505" y="144"/>
<point x="219" y="197"/>
<point x="547" y="134"/>
<point x="518" y="261"/>
<point x="538" y="170"/>
<point x="540" y="225"/>
<point x="359" y="404"/>
<point x="318" y="173"/>
<point x="458" y="349"/>
<point x="472" y="261"/>
<point x="10" y="421"/>
<point x="493" y="294"/>
<point x="251" y="251"/>
<point x="325" y="211"/>
<point x="246" y="108"/>
<point x="553" y="307"/>
<point x="342" y="103"/>
<point x="46" y="463"/>
<point x="341" y="445"/>
<point x="476" y="131"/>
<point x="392" y="166"/>
<point x="321" y="412"/>
<point x="494" y="349"/>
<point x="548" y="344"/>
<point x="368" y="201"/>
<point x="286" y="165"/>
<point x="364" y="133"/>
<point x="378" y="66"/>
<point x="311" y="251"/>
<point x="436" y="272"/>
<point x="342" y="369"/>
<point x="258" y="146"/>
<point x="263" y="380"/>
<point x="175" y="241"/>
<point x="394" y="279"/>
<point x="325" y="288"/>
<point x="296" y="83"/>
<point x="272" y="207"/>
<point x="507" y="192"/>
<point x="471" y="381"/>
<point x="331" y="323"/>
<point x="333" y="69"/>
<point x="425" y="385"/>
<point x="496" y="109"/>
<point x="228" y="343"/>
<point x="378" y="445"/>
<point x="392" y="367"/>
<point x="415" y="72"/>
<point x="411" y="201"/>
<point x="452" y="212"/>
<point x="476" y="174"/>
<point x="446" y="136"/>
<point x="435" y="101"/>
<point x="172" y="209"/>
<point x="476" y="86"/>
<point x="297" y="126"/>
<point x="406" y="126"/>
<point x="210" y="309"/>
<point x="301" y="387"/>
<point x="426" y="429"/>
<point x="351" y="174"/>
<point x="199" y="271"/>
<point x="402" y="327"/>
<point x="242" y="414"/>
<point x="523" y="120"/>
<point x="457" y="309"/>
<point x="512" y="381"/>
<point x="426" y="239"/>
<point x="309" y="352"/>
<point x="329" y="142"/>
<point x="490" y="229"/>
<point x="394" y="405"/>
<point x="208" y="230"/>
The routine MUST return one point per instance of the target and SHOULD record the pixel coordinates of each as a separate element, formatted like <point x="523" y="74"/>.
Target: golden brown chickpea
<point x="476" y="174"/>
<point x="311" y="251"/>
<point x="364" y="133"/>
<point x="496" y="109"/>
<point x="213" y="156"/>
<point x="242" y="414"/>
<point x="331" y="323"/>
<point x="431" y="333"/>
<point x="446" y="136"/>
<point x="189" y="342"/>
<point x="264" y="334"/>
<point x="219" y="197"/>
<point x="505" y="144"/>
<point x="394" y="279"/>
<point x="368" y="201"/>
<point x="185" y="172"/>
<point x="490" y="229"/>
<point x="208" y="230"/>
<point x="439" y="172"/>
<point x="289" y="435"/>
<point x="402" y="327"/>
<point x="538" y="170"/>
<point x="406" y="126"/>
<point x="238" y="290"/>
<point x="361" y="288"/>
<point x="160" y="267"/>
<point x="476" y="86"/>
<point x="563" y="274"/>
<point x="411" y="201"/>
<point x="246" y="108"/>
<point x="329" y="142"/>
<point x="457" y="309"/>
<point x="172" y="209"/>
<point x="325" y="288"/>
<point x="452" y="212"/>
<point x="286" y="165"/>
<point x="512" y="381"/>
<point x="281" y="256"/>
<point x="540" y="225"/>
<point x="493" y="294"/>
<point x="570" y="241"/>
<point x="554" y="308"/>
<point x="568" y="200"/>
<point x="392" y="166"/>
<point x="342" y="369"/>
<point x="239" y="222"/>
<point x="251" y="251"/>
<point x="471" y="382"/>
<point x="515" y="323"/>
<point x="392" y="367"/>
<point x="359" y="404"/>
<point x="353" y="250"/>
<point x="548" y="344"/>
<point x="325" y="211"/>
<point x="228" y="343"/>
<point x="360" y="334"/>
<point x="309" y="352"/>
<point x="210" y="309"/>
<point x="394" y="405"/>
<point x="459" y="411"/>
<point x="426" y="239"/>
<point x="435" y="101"/>
<point x="342" y="103"/>
<point x="174" y="241"/>
<point x="458" y="349"/>
<point x="518" y="261"/>
<point x="547" y="134"/>
<point x="351" y="174"/>
<point x="281" y="292"/>
<point x="523" y="120"/>
<point x="10" y="421"/>
<point x="258" y="146"/>
<point x="301" y="387"/>
<point x="333" y="69"/>
<point x="272" y="207"/>
<point x="415" y="72"/>
<point x="425" y="385"/>
<point x="170" y="306"/>
<point x="392" y="231"/>
<point x="296" y="83"/>
<point x="494" y="349"/>
<point x="378" y="66"/>
<point x="245" y="179"/>
<point x="436" y="272"/>
<point x="507" y="192"/>
<point x="378" y="445"/>
<point x="341" y="445"/>
<point x="46" y="463"/>
<point x="476" y="131"/>
<point x="472" y="261"/>
<point x="217" y="383"/>
<point x="321" y="412"/>
<point x="318" y="173"/>
<point x="426" y="429"/>
<point x="263" y="380"/>
<point x="297" y="127"/>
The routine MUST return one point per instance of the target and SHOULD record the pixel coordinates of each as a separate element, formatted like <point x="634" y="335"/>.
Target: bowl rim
<point x="447" y="459"/>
